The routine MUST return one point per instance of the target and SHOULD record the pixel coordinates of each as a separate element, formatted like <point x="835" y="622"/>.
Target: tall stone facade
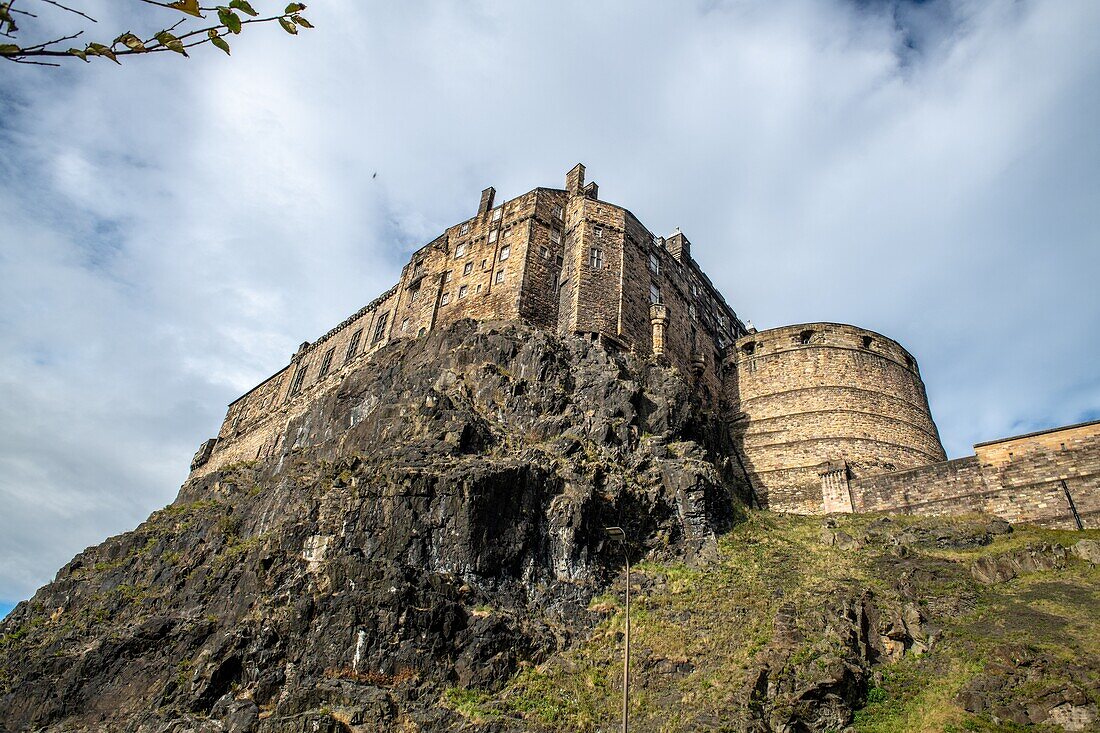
<point x="822" y="417"/>
<point x="556" y="258"/>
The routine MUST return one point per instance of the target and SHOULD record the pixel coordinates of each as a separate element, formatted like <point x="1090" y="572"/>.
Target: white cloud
<point x="172" y="229"/>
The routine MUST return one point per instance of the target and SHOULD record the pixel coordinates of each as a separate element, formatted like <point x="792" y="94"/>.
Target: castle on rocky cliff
<point x="822" y="417"/>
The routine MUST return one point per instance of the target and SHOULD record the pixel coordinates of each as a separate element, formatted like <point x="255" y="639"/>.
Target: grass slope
<point x="697" y="633"/>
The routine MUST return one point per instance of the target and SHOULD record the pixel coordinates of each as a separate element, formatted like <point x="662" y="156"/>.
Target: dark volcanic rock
<point x="435" y="520"/>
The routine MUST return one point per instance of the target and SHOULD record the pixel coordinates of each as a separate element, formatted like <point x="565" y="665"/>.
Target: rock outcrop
<point x="436" y="520"/>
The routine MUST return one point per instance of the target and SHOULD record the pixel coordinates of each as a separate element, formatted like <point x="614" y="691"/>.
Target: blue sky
<point x="171" y="229"/>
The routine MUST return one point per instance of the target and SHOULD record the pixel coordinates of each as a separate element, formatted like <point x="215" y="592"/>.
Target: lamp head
<point x="615" y="533"/>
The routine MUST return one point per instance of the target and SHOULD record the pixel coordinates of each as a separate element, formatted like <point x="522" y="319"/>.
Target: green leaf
<point x="9" y="49"/>
<point x="229" y="19"/>
<point x="191" y="7"/>
<point x="80" y="55"/>
<point x="288" y="26"/>
<point x="294" y="8"/>
<point x="244" y="7"/>
<point x="5" y="17"/>
<point x="301" y="21"/>
<point x="218" y="41"/>
<point x="98" y="49"/>
<point x="131" y="42"/>
<point x="171" y="42"/>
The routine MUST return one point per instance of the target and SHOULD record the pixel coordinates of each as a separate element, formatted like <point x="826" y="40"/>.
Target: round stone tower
<point x="818" y="403"/>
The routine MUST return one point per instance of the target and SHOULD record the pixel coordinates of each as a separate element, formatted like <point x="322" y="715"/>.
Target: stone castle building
<point x="821" y="415"/>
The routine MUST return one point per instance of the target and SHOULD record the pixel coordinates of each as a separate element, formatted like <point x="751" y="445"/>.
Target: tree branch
<point x="71" y="10"/>
<point x="130" y="43"/>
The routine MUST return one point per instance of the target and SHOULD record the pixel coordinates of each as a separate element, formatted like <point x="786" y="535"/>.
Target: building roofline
<point x="1037" y="433"/>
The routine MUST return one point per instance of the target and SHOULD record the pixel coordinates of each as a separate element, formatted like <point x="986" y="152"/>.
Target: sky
<point x="172" y="229"/>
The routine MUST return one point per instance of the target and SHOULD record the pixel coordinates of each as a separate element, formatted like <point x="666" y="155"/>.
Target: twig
<point x="71" y="10"/>
<point x="40" y="50"/>
<point x="50" y="43"/>
<point x="17" y="60"/>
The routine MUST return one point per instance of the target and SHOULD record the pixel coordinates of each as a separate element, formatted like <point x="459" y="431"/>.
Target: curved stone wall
<point x="825" y="393"/>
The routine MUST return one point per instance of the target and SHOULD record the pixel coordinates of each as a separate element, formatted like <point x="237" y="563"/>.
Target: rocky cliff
<point x="473" y="469"/>
<point x="427" y="553"/>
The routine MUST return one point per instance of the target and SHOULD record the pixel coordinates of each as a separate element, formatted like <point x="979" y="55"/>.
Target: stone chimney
<point x="592" y="191"/>
<point x="487" y="197"/>
<point x="679" y="246"/>
<point x="574" y="180"/>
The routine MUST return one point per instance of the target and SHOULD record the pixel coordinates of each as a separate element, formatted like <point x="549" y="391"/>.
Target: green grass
<point x="710" y="625"/>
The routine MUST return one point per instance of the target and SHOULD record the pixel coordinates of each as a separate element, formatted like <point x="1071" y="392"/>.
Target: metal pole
<point x="1072" y="506"/>
<point x="626" y="652"/>
<point x="617" y="533"/>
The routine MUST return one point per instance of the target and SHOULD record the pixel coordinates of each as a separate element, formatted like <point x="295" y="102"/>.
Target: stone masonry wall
<point x="528" y="258"/>
<point x="805" y="395"/>
<point x="615" y="269"/>
<point x="1019" y="479"/>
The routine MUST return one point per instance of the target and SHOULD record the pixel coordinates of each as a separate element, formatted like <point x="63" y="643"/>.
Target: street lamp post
<point x="617" y="533"/>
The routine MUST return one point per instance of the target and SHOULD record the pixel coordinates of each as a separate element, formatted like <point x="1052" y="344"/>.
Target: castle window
<point x="484" y="265"/>
<point x="404" y="325"/>
<point x="353" y="346"/>
<point x="598" y="232"/>
<point x="468" y="268"/>
<point x="497" y="213"/>
<point x="493" y="236"/>
<point x="462" y="291"/>
<point x="447" y="277"/>
<point x="695" y="289"/>
<point x="867" y="341"/>
<point x="558" y="213"/>
<point x="326" y="363"/>
<point x="460" y="250"/>
<point x="555" y="236"/>
<point x="693" y="313"/>
<point x="414" y="293"/>
<point x="505" y="251"/>
<point x="380" y="328"/>
<point x="466" y="227"/>
<point x="421" y="332"/>
<point x="418" y="269"/>
<point x="445" y="299"/>
<point x="654" y="264"/>
<point x="500" y="276"/>
<point x="299" y="377"/>
<point x="654" y="294"/>
<point x="805" y="336"/>
<point x="596" y="260"/>
<point x="749" y="347"/>
<point x="544" y="252"/>
<point x="558" y="260"/>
